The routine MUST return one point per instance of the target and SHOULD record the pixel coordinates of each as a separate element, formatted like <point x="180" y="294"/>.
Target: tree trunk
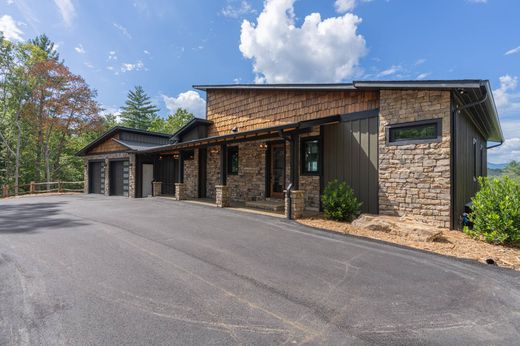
<point x="17" y="156"/>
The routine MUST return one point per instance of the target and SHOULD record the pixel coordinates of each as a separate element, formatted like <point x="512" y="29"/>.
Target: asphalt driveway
<point x="95" y="270"/>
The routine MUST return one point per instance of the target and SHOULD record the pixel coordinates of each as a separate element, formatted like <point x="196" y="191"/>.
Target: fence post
<point x="60" y="187"/>
<point x="5" y="191"/>
<point x="32" y="188"/>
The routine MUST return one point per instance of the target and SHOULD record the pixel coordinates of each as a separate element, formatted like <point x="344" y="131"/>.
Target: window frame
<point x="231" y="151"/>
<point x="438" y="129"/>
<point x="303" y="168"/>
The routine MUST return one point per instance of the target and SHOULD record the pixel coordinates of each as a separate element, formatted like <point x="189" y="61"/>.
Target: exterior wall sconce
<point x="176" y="156"/>
<point x="214" y="150"/>
<point x="263" y="146"/>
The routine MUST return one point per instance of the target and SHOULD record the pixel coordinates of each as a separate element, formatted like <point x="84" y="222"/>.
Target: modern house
<point x="406" y="147"/>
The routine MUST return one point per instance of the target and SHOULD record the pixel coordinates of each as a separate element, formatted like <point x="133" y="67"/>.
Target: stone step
<point x="270" y="204"/>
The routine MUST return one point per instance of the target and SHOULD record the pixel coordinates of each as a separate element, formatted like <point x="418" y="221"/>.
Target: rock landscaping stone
<point x="401" y="226"/>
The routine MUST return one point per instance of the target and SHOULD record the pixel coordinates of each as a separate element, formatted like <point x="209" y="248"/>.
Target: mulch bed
<point x="451" y="243"/>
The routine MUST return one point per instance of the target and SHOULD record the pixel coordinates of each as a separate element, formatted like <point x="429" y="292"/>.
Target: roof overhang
<point x="263" y="133"/>
<point x="484" y="114"/>
<point x="111" y="132"/>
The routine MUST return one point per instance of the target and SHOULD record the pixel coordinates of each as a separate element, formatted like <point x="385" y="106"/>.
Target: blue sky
<point x="168" y="45"/>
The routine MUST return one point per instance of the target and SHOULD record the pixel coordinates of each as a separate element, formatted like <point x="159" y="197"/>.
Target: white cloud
<point x="123" y="30"/>
<point x="138" y="66"/>
<point x="343" y="6"/>
<point x="80" y="49"/>
<point x="146" y="52"/>
<point x="112" y="55"/>
<point x="10" y="28"/>
<point x="420" y="62"/>
<point x="423" y="75"/>
<point x="390" y="71"/>
<point x="477" y="1"/>
<point x="89" y="65"/>
<point x="237" y="9"/>
<point x="67" y="10"/>
<point x="326" y="50"/>
<point x="507" y="152"/>
<point x="189" y="100"/>
<point x="506" y="98"/>
<point x="513" y="51"/>
<point x="10" y="2"/>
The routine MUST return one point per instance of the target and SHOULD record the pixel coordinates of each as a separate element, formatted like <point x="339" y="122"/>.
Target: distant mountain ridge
<point x="496" y="165"/>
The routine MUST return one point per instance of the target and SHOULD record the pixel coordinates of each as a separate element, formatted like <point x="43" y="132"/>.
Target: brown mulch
<point x="451" y="243"/>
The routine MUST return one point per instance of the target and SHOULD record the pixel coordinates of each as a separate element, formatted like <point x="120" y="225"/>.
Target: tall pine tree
<point x="138" y="111"/>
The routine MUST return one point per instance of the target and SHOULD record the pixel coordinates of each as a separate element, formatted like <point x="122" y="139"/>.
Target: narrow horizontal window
<point x="416" y="132"/>
<point x="310" y="156"/>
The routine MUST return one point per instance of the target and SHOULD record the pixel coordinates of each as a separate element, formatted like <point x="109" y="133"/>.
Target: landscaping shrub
<point x="339" y="202"/>
<point x="496" y="211"/>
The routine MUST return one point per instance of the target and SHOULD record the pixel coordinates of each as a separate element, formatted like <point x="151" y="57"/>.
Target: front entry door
<point x="277" y="170"/>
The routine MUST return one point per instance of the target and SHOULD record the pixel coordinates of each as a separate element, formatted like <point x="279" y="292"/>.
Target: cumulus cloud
<point x="189" y="100"/>
<point x="138" y="66"/>
<point x="123" y="30"/>
<point x="506" y="97"/>
<point x="237" y="9"/>
<point x="80" y="49"/>
<point x="513" y="51"/>
<point x="326" y="50"/>
<point x="10" y="28"/>
<point x="112" y="55"/>
<point x="67" y="10"/>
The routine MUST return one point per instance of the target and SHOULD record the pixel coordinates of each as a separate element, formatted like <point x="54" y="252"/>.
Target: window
<point x="232" y="160"/>
<point x="416" y="132"/>
<point x="310" y="156"/>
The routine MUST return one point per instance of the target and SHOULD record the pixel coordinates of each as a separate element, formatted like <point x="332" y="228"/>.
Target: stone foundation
<point x="223" y="199"/>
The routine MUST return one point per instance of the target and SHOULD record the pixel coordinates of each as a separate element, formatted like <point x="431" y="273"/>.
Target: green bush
<point x="339" y="202"/>
<point x="496" y="211"/>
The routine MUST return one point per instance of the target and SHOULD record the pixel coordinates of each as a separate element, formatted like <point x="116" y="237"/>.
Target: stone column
<point x="156" y="188"/>
<point x="131" y="175"/>
<point x="297" y="204"/>
<point x="107" y="177"/>
<point x="180" y="192"/>
<point x="85" y="176"/>
<point x="222" y="196"/>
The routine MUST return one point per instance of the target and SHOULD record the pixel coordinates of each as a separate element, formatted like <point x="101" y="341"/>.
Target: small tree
<point x="173" y="123"/>
<point x="138" y="111"/>
<point x="339" y="202"/>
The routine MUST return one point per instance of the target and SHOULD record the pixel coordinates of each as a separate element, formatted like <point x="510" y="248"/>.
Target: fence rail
<point x="41" y="188"/>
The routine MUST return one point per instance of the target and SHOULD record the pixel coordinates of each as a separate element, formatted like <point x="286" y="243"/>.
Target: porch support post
<point x="222" y="196"/>
<point x="223" y="164"/>
<point x="294" y="168"/>
<point x="180" y="168"/>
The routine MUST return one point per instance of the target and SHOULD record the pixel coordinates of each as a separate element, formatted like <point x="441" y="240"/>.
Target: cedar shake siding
<point x="249" y="110"/>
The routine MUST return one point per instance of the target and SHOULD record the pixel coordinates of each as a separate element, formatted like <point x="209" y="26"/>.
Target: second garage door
<point x="119" y="178"/>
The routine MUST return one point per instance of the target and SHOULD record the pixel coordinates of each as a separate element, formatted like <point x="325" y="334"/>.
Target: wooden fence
<point x="40" y="188"/>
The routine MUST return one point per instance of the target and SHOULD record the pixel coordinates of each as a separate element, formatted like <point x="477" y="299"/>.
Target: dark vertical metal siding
<point x="94" y="178"/>
<point x="466" y="158"/>
<point x="350" y="155"/>
<point x="165" y="171"/>
<point x="142" y="138"/>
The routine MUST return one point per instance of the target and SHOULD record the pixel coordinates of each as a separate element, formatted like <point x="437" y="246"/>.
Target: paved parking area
<point x="96" y="270"/>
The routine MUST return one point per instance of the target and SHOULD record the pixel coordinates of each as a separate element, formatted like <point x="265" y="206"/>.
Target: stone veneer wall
<point x="415" y="179"/>
<point x="107" y="158"/>
<point x="249" y="184"/>
<point x="191" y="176"/>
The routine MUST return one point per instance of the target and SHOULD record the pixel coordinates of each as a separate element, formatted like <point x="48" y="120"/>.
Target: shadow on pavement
<point x="30" y="217"/>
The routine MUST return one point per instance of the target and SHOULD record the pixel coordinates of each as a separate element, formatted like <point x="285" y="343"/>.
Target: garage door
<point x="350" y="154"/>
<point x="96" y="177"/>
<point x="119" y="178"/>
